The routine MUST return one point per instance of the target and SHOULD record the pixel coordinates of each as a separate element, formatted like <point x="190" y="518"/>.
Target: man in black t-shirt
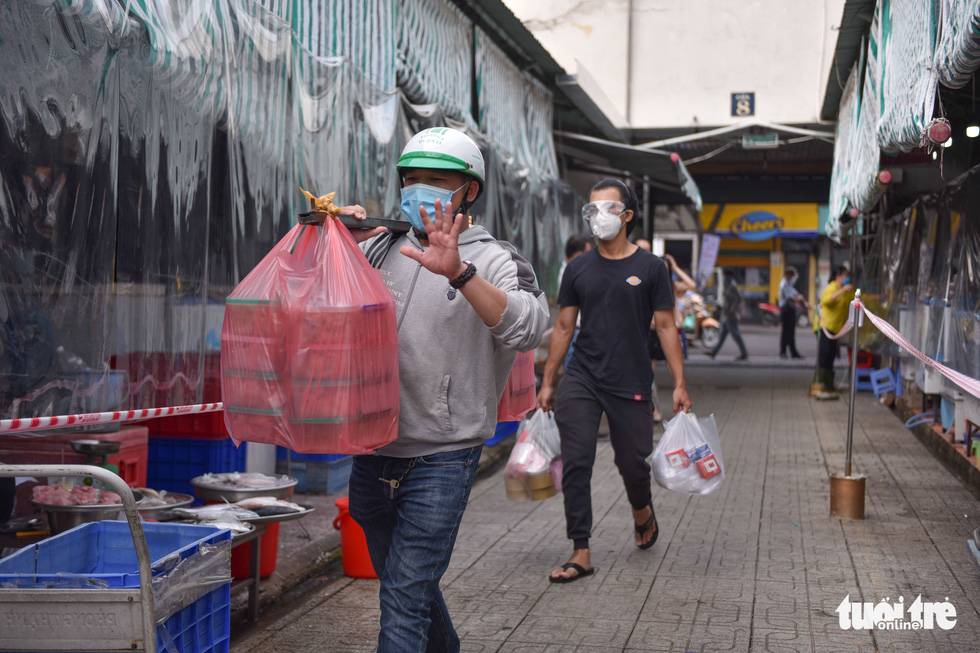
<point x="618" y="288"/>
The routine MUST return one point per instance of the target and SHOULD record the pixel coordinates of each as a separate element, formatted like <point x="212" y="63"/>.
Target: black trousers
<point x="578" y="409"/>
<point x="787" y="338"/>
<point x="826" y="353"/>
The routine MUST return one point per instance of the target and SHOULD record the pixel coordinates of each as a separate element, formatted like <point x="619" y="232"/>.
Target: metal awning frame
<point x="671" y="160"/>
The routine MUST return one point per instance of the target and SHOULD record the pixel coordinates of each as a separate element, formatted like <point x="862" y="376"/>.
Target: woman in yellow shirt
<point x="834" y="304"/>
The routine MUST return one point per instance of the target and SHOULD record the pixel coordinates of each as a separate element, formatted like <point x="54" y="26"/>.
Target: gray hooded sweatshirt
<point x="452" y="367"/>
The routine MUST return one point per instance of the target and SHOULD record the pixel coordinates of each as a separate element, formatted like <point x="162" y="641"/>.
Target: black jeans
<point x="787" y="338"/>
<point x="578" y="409"/>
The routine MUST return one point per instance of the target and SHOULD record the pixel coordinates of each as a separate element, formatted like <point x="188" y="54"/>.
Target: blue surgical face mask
<point x="418" y="196"/>
<point x="846" y="281"/>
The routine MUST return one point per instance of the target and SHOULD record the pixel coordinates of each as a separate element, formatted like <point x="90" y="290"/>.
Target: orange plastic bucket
<point x="353" y="546"/>
<point x="241" y="555"/>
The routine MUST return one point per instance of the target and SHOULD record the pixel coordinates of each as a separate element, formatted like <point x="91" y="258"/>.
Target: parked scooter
<point x="770" y="315"/>
<point x="698" y="321"/>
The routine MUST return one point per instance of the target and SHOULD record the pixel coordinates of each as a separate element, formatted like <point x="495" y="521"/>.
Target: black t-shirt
<point x="617" y="299"/>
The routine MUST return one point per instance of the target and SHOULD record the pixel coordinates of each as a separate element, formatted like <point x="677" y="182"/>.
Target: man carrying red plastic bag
<point x="465" y="305"/>
<point x="308" y="347"/>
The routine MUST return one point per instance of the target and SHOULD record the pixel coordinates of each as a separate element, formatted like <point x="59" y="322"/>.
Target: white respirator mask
<point x="602" y="218"/>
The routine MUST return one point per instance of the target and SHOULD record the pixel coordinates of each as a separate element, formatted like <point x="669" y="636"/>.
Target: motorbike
<point x="770" y="315"/>
<point x="699" y="324"/>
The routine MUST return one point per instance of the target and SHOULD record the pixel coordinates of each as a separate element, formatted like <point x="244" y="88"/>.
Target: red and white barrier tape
<point x="847" y="325"/>
<point x="84" y="419"/>
<point x="969" y="384"/>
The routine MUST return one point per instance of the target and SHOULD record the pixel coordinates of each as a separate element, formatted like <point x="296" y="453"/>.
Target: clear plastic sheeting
<point x="435" y="46"/>
<point x="58" y="211"/>
<point x="904" y="45"/>
<point x="958" y="47"/>
<point x="923" y="273"/>
<point x="152" y="150"/>
<point x="184" y="581"/>
<point x="309" y="348"/>
<point x="852" y="183"/>
<point x="963" y="349"/>
<point x="889" y="98"/>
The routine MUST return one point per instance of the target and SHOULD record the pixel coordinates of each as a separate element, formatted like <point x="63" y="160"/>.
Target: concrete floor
<point x="757" y="566"/>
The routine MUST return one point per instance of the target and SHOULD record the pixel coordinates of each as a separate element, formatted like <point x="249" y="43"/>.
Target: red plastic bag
<point x="519" y="396"/>
<point x="309" y="350"/>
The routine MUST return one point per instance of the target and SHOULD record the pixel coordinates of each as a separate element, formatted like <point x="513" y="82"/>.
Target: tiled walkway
<point x="758" y="566"/>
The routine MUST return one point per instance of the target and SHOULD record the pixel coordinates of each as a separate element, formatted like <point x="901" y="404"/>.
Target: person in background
<point x="618" y="288"/>
<point x="655" y="350"/>
<point x="681" y="284"/>
<point x="789" y="299"/>
<point x="731" y="316"/>
<point x="834" y="305"/>
<point x="465" y="305"/>
<point x="575" y="246"/>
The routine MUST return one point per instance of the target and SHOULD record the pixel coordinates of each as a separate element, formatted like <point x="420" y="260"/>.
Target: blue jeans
<point x="730" y="326"/>
<point x="410" y="531"/>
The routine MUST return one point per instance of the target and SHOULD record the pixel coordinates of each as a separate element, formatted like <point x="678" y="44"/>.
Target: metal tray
<point x="63" y="518"/>
<point x="232" y="495"/>
<point x="156" y="512"/>
<point x="393" y="226"/>
<point x="271" y="519"/>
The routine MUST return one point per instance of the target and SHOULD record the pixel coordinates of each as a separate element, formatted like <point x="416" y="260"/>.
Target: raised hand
<point x="442" y="255"/>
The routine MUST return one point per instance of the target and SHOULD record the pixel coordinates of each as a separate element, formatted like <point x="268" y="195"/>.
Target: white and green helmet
<point x="444" y="148"/>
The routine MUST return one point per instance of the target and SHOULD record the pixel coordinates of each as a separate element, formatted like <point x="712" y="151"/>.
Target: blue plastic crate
<point x="308" y="457"/>
<point x="319" y="477"/>
<point x="104" y="551"/>
<point x="202" y="627"/>
<point x="503" y="431"/>
<point x="173" y="462"/>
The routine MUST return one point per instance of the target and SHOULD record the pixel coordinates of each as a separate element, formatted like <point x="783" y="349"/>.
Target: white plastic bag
<point x="688" y="457"/>
<point x="531" y="468"/>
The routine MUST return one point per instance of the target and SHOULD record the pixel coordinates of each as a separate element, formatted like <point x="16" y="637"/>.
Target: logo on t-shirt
<point x="633" y="281"/>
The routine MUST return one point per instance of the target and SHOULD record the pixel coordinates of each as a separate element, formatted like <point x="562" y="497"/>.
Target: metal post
<point x="850" y="406"/>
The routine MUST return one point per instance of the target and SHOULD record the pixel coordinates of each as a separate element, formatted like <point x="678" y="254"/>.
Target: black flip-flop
<point x="644" y="527"/>
<point x="582" y="572"/>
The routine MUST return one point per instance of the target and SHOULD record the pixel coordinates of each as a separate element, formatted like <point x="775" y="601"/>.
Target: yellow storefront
<point x="760" y="240"/>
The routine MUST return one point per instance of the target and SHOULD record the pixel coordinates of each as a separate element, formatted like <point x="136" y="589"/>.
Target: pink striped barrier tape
<point x="968" y="383"/>
<point x="60" y="421"/>
<point x="847" y="325"/>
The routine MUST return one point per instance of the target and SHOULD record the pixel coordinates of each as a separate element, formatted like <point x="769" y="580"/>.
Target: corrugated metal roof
<point x="854" y="26"/>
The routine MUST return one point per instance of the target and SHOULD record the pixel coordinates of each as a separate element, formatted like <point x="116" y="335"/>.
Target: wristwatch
<point x="467" y="274"/>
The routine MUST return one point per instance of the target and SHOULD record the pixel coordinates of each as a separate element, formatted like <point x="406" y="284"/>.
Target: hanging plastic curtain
<point x="58" y="216"/>
<point x="958" y="48"/>
<point x="963" y="345"/>
<point x="906" y="82"/>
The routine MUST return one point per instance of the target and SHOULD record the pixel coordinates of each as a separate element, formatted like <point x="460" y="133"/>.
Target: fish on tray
<point x="217" y="511"/>
<point x="243" y="480"/>
<point x="269" y="506"/>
